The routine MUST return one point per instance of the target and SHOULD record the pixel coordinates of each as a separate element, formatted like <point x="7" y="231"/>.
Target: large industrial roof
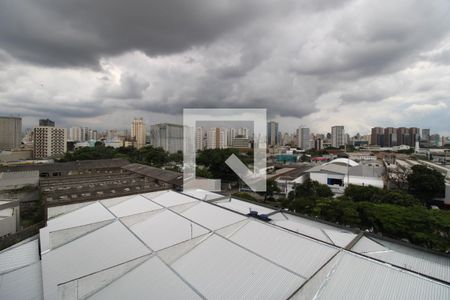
<point x="167" y="245"/>
<point x="69" y="166"/>
<point x="20" y="271"/>
<point x="156" y="173"/>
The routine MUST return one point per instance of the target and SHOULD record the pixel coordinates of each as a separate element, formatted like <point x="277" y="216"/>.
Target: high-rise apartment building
<point x="377" y="136"/>
<point x="390" y="137"/>
<point x="337" y="136"/>
<point x="49" y="142"/>
<point x="216" y="138"/>
<point x="414" y="134"/>
<point x="272" y="133"/>
<point x="46" y="122"/>
<point x="425" y="137"/>
<point x="233" y="133"/>
<point x="75" y="134"/>
<point x="167" y="136"/>
<point x="10" y="132"/>
<point x="318" y="144"/>
<point x="138" y="133"/>
<point x="435" y="140"/>
<point x="303" y="138"/>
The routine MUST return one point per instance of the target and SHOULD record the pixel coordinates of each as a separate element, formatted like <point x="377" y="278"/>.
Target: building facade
<point x="138" y="132"/>
<point x="167" y="136"/>
<point x="337" y="136"/>
<point x="49" y="142"/>
<point x="303" y="138"/>
<point x="10" y="133"/>
<point x="272" y="133"/>
<point x="216" y="138"/>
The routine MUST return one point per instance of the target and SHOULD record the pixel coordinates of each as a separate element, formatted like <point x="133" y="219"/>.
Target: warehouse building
<point x="202" y="245"/>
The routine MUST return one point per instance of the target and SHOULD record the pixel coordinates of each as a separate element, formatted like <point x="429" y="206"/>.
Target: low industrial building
<point x="169" y="245"/>
<point x="340" y="172"/>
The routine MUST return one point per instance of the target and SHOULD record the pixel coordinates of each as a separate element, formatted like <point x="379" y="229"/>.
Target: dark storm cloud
<point x="376" y="39"/>
<point x="297" y="58"/>
<point x="29" y="107"/>
<point x="79" y="32"/>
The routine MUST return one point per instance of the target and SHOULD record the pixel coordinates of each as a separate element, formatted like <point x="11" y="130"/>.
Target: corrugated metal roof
<point x="103" y="248"/>
<point x="20" y="256"/>
<point x="296" y="253"/>
<point x="211" y="216"/>
<point x="321" y="231"/>
<point x="353" y="277"/>
<point x="151" y="280"/>
<point x="23" y="283"/>
<point x="242" y="258"/>
<point x="172" y="198"/>
<point x="181" y="229"/>
<point x="243" y="206"/>
<point x="134" y="205"/>
<point x="219" y="269"/>
<point x="156" y="173"/>
<point x="409" y="258"/>
<point x="202" y="194"/>
<point x="89" y="214"/>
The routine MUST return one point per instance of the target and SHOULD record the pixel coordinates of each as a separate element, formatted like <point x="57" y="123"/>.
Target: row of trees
<point x="394" y="214"/>
<point x="212" y="161"/>
<point x="147" y="155"/>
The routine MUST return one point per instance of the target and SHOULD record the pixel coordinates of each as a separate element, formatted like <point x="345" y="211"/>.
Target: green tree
<point x="214" y="160"/>
<point x="426" y="183"/>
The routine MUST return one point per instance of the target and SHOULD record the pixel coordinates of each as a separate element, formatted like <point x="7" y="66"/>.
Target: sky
<point x="357" y="63"/>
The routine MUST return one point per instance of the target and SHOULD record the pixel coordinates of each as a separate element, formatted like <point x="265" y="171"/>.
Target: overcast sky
<point x="357" y="63"/>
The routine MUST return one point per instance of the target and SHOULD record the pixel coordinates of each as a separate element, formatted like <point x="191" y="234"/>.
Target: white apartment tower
<point x="75" y="134"/>
<point x="337" y="136"/>
<point x="167" y="136"/>
<point x="49" y="142"/>
<point x="216" y="138"/>
<point x="303" y="138"/>
<point x="138" y="133"/>
<point x="10" y="132"/>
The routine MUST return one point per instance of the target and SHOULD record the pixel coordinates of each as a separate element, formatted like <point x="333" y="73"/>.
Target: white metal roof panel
<point x="294" y="252"/>
<point x="318" y="230"/>
<point x="89" y="214"/>
<point x="55" y="211"/>
<point x="171" y="198"/>
<point x="103" y="248"/>
<point x="152" y="195"/>
<point x="202" y="194"/>
<point x="219" y="269"/>
<point x="23" y="283"/>
<point x="243" y="206"/>
<point x="303" y="228"/>
<point x="413" y="259"/>
<point x="165" y="229"/>
<point x="354" y="277"/>
<point x="134" y="205"/>
<point x="211" y="216"/>
<point x="151" y="280"/>
<point x="20" y="256"/>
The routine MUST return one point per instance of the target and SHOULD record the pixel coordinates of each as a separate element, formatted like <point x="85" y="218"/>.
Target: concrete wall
<point x="9" y="220"/>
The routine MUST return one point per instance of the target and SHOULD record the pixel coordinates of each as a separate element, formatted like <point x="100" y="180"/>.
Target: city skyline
<point x="294" y="127"/>
<point x="324" y="70"/>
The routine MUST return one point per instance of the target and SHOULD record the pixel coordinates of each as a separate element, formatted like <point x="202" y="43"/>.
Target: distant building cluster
<point x="221" y="138"/>
<point x="48" y="141"/>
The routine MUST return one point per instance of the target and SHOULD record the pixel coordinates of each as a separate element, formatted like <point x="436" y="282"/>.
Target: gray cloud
<point x="80" y="59"/>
